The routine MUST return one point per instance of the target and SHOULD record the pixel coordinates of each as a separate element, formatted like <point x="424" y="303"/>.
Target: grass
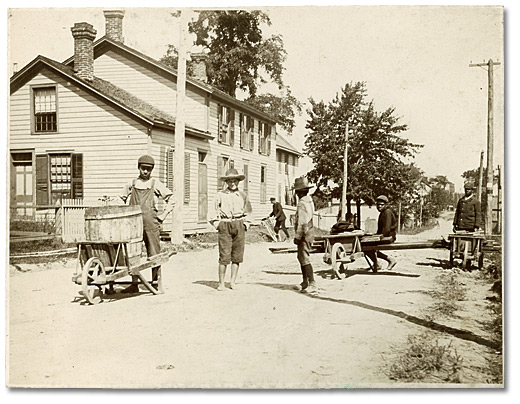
<point x="426" y="359"/>
<point x="448" y="293"/>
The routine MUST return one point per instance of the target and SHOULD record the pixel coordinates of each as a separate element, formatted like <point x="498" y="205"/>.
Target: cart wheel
<point x="337" y="253"/>
<point x="93" y="271"/>
<point x="451" y="258"/>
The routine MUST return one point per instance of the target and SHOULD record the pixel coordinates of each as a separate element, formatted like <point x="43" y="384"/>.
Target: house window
<point x="226" y="125"/>
<point x="245" y="127"/>
<point x="58" y="176"/>
<point x="264" y="135"/>
<point x="44" y="107"/>
<point x="250" y="127"/>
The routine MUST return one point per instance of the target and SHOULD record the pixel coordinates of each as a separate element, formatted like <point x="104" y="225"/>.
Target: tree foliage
<point x="238" y="53"/>
<point x="283" y="108"/>
<point x="376" y="153"/>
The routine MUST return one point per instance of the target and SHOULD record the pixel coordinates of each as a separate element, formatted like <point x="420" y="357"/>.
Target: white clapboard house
<point x="77" y="128"/>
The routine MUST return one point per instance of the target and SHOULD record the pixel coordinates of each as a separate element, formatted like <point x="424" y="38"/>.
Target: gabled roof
<point x="104" y="43"/>
<point x="104" y="89"/>
<point x="283" y="144"/>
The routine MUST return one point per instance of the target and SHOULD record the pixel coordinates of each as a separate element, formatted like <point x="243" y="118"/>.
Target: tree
<point x="282" y="108"/>
<point x="238" y="53"/>
<point x="376" y="155"/>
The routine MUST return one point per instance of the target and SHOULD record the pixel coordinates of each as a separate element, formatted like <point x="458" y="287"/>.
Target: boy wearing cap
<point x="145" y="191"/>
<point x="468" y="213"/>
<point x="304" y="233"/>
<point x="387" y="229"/>
<point x="229" y="215"/>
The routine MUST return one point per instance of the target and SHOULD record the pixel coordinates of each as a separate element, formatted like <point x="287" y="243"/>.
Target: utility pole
<point x="488" y="223"/>
<point x="177" y="234"/>
<point x="480" y="174"/>
<point x="345" y="173"/>
<point x="499" y="202"/>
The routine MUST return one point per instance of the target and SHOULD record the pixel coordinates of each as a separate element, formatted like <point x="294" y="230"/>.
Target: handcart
<point x="467" y="246"/>
<point x="341" y="249"/>
<point x="113" y="250"/>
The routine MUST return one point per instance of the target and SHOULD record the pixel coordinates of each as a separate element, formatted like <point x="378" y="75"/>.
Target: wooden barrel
<point x="113" y="224"/>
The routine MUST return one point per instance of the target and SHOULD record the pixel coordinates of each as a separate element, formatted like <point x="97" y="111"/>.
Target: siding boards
<point x="151" y="87"/>
<point x="109" y="140"/>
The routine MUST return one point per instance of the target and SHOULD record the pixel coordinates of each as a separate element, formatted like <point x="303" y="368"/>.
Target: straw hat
<point x="301" y="183"/>
<point x="232" y="174"/>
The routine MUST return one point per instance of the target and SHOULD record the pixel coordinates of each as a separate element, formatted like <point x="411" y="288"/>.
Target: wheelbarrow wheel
<point x="336" y="255"/>
<point x="92" y="277"/>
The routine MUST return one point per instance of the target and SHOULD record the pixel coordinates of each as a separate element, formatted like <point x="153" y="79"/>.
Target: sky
<point x="415" y="59"/>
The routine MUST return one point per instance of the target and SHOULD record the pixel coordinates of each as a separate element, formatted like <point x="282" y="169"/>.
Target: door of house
<point x="203" y="189"/>
<point x="21" y="185"/>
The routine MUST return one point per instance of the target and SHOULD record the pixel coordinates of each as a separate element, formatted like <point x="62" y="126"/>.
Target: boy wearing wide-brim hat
<point x="468" y="213"/>
<point x="304" y="232"/>
<point x="229" y="215"/>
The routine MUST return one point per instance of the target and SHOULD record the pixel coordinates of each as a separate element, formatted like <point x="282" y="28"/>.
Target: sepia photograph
<point x="255" y="197"/>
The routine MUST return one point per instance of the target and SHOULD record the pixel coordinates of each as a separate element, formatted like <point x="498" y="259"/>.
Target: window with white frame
<point x="44" y="109"/>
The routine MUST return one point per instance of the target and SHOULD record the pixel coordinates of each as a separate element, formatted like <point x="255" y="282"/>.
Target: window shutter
<point x="77" y="176"/>
<point x="231" y="127"/>
<point x="169" y="168"/>
<point x="219" y="128"/>
<point x="187" y="178"/>
<point x="241" y="123"/>
<point x="260" y="137"/>
<point x="246" y="179"/>
<point x="268" y="137"/>
<point x="252" y="135"/>
<point x="220" y="172"/>
<point x="42" y="179"/>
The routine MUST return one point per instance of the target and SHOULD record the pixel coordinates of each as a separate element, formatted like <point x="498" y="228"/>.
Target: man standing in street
<point x="468" y="213"/>
<point x="387" y="230"/>
<point x="304" y="233"/>
<point x="279" y="215"/>
<point x="145" y="192"/>
<point x="230" y="217"/>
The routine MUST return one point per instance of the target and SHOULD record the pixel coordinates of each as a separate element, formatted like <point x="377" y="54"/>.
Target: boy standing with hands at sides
<point x="230" y="217"/>
<point x="304" y="233"/>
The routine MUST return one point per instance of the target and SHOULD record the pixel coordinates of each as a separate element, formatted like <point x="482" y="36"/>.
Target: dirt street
<point x="266" y="334"/>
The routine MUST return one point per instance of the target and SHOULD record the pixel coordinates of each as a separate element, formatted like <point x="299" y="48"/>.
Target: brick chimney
<point x="84" y="34"/>
<point x="198" y="64"/>
<point x="114" y="24"/>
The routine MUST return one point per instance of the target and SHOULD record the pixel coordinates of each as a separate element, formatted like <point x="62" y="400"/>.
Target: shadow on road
<point x="459" y="333"/>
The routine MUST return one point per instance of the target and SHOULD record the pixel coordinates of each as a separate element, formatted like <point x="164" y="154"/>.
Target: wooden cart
<point x="341" y="249"/>
<point x="467" y="247"/>
<point x="101" y="264"/>
<point x="112" y="250"/>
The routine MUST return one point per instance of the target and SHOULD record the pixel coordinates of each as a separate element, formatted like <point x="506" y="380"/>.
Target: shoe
<point x="312" y="288"/>
<point x="304" y="286"/>
<point x="391" y="264"/>
<point x="133" y="288"/>
<point x="221" y="288"/>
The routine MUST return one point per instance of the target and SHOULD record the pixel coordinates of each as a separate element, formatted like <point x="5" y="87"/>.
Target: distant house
<point x="77" y="128"/>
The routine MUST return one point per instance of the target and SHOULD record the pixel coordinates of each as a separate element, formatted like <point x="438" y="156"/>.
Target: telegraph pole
<point x="177" y="234"/>
<point x="489" y="185"/>
<point x="480" y="175"/>
<point x="345" y="174"/>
